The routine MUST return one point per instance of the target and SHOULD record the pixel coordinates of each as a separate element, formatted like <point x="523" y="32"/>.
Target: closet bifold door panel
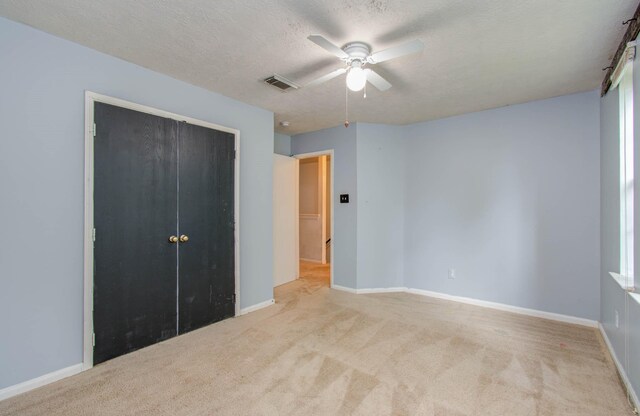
<point x="135" y="200"/>
<point x="206" y="226"/>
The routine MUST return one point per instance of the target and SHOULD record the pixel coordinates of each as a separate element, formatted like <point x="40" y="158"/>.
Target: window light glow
<point x="626" y="178"/>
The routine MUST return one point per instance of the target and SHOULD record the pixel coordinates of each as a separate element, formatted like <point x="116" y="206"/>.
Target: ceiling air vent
<point x="281" y="83"/>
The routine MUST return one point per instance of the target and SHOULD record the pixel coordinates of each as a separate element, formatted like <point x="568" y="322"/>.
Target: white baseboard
<point x="381" y="290"/>
<point x="286" y="281"/>
<point x="477" y="302"/>
<point x="257" y="306"/>
<point x="509" y="308"/>
<point x="39" y="381"/>
<point x="311" y="260"/>
<point x="623" y="374"/>
<point x="344" y="289"/>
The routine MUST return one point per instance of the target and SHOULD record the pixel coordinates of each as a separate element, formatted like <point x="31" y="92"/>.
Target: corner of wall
<point x="380" y="205"/>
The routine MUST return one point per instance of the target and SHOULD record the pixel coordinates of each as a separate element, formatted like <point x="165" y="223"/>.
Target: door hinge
<point x="234" y="154"/>
<point x="93" y="234"/>
<point x="93" y="339"/>
<point x="233" y="298"/>
<point x="94" y="129"/>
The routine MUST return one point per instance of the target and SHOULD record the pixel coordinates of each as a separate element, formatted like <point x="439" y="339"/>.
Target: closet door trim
<point x="90" y="99"/>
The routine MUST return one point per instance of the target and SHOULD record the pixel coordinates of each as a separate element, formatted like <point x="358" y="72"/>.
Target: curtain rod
<point x="630" y="35"/>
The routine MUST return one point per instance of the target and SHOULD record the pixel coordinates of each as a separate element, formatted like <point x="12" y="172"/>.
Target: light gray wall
<point x="282" y="144"/>
<point x="42" y="84"/>
<point x="309" y="186"/>
<point x="510" y="199"/>
<point x="633" y="371"/>
<point x="343" y="142"/>
<point x="309" y="203"/>
<point x="613" y="297"/>
<point x="380" y="161"/>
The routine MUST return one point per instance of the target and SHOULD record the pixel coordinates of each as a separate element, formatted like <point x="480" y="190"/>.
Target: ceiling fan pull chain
<point x="346" y="106"/>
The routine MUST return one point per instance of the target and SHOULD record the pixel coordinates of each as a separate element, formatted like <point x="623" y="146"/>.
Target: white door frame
<point x="328" y="152"/>
<point x="322" y="166"/>
<point x="90" y="99"/>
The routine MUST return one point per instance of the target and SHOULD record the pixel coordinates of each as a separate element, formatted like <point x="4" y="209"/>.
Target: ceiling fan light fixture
<point x="358" y="54"/>
<point x="356" y="78"/>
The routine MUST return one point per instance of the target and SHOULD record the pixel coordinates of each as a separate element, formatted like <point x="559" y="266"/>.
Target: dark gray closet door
<point x="206" y="217"/>
<point x="135" y="203"/>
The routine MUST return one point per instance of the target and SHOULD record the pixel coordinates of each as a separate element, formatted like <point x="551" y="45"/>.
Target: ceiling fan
<point x="356" y="55"/>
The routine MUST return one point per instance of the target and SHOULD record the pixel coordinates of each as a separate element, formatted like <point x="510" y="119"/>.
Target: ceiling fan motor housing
<point x="357" y="51"/>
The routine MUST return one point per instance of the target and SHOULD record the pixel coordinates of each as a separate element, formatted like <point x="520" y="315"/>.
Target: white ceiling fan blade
<point x="327" y="77"/>
<point x="396" y="51"/>
<point x="328" y="46"/>
<point x="376" y="80"/>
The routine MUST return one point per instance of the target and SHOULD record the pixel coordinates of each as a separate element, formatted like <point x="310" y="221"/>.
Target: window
<point x="625" y="92"/>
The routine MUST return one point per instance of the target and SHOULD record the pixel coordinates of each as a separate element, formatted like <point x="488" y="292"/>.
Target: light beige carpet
<point x="323" y="352"/>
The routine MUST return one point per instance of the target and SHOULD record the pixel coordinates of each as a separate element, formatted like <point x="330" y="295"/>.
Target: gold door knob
<point x="184" y="238"/>
<point x="173" y="239"/>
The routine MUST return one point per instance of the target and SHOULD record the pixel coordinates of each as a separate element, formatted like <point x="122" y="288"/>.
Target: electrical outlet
<point x="452" y="273"/>
<point x="617" y="319"/>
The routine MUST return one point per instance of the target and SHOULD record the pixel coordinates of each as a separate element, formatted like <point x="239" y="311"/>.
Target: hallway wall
<point x="343" y="142"/>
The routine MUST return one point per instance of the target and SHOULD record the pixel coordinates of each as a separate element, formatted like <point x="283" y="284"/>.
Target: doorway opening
<point x="315" y="218"/>
<point x="303" y="218"/>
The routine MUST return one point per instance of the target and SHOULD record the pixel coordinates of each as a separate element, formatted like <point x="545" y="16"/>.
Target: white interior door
<point x="285" y="219"/>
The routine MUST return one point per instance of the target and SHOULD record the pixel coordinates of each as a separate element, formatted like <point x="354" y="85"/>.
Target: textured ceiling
<point x="478" y="54"/>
